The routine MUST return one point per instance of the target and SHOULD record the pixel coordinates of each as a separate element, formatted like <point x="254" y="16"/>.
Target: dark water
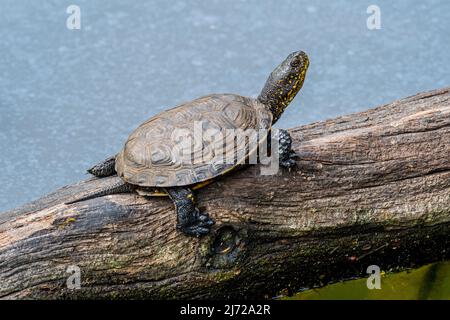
<point x="428" y="282"/>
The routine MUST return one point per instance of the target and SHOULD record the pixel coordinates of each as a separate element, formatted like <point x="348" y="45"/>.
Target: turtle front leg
<point x="286" y="154"/>
<point x="190" y="220"/>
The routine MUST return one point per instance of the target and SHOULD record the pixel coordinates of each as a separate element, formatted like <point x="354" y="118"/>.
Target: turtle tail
<point x="115" y="187"/>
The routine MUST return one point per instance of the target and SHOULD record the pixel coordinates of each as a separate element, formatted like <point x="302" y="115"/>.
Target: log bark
<point x="371" y="188"/>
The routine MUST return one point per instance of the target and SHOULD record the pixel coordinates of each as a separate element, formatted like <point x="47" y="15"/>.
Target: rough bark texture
<point x="370" y="188"/>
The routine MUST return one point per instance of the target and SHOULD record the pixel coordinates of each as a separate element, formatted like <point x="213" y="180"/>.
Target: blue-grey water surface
<point x="69" y="98"/>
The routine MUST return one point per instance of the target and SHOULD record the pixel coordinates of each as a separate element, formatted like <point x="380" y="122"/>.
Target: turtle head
<point x="284" y="82"/>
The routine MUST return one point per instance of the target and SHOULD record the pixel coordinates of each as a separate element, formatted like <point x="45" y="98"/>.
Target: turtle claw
<point x="199" y="224"/>
<point x="288" y="164"/>
<point x="195" y="231"/>
<point x="190" y="220"/>
<point x="205" y="219"/>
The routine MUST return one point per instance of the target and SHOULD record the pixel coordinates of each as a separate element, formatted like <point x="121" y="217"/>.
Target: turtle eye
<point x="295" y="63"/>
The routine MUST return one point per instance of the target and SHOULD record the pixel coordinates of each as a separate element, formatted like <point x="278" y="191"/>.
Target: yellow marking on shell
<point x="202" y="184"/>
<point x="197" y="186"/>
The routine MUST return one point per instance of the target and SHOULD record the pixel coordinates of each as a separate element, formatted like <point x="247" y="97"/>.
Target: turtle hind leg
<point x="190" y="220"/>
<point x="105" y="168"/>
<point x="286" y="154"/>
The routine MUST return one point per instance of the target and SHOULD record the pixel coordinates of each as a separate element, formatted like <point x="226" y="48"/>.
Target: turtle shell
<point x="185" y="145"/>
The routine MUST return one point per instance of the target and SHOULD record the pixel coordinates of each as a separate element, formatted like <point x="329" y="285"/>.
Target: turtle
<point x="146" y="165"/>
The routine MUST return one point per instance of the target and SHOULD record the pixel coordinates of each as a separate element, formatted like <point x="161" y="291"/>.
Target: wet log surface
<point x="371" y="188"/>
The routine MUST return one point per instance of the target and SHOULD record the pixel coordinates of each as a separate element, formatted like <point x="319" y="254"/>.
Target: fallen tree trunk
<point x="371" y="188"/>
